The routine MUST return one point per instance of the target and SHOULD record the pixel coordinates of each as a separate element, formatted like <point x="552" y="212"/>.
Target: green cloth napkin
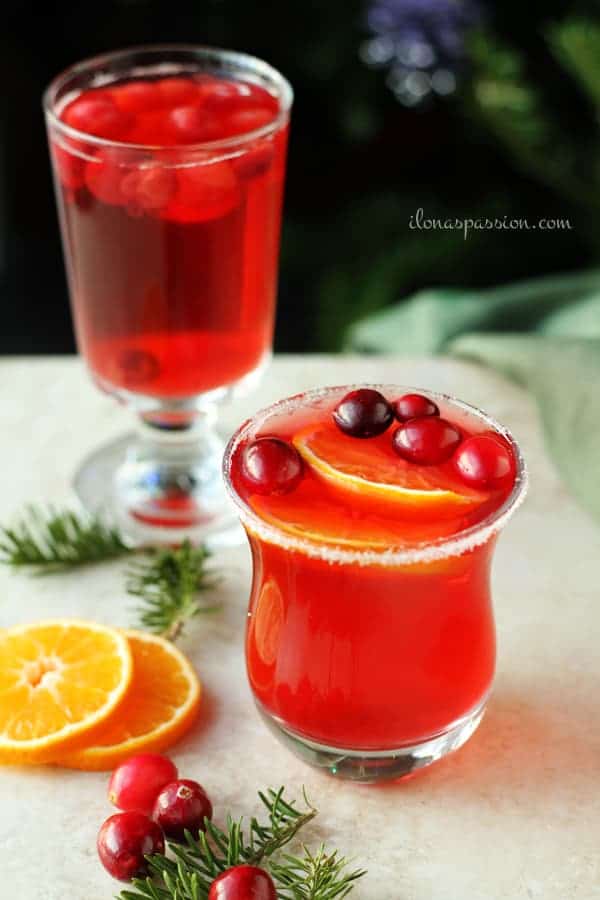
<point x="543" y="334"/>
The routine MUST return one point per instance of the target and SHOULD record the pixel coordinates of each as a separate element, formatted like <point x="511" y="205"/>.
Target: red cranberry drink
<point x="372" y="514"/>
<point x="172" y="251"/>
<point x="169" y="166"/>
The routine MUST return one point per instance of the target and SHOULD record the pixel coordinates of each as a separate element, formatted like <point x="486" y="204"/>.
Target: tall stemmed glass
<point x="170" y="208"/>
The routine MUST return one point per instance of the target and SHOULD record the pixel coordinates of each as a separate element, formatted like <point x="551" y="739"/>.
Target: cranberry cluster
<point x="156" y="803"/>
<point x="270" y="465"/>
<point x="424" y="437"/>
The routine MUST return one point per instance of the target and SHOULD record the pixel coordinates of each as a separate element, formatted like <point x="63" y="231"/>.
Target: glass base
<point x="160" y="492"/>
<point x="372" y="766"/>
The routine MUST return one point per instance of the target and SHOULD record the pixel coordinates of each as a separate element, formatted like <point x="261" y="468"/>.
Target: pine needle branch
<point x="169" y="584"/>
<point x="51" y="540"/>
<point x="188" y="874"/>
<point x="315" y="876"/>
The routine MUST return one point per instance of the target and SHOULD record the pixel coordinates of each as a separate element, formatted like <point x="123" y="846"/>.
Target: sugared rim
<point x="245" y="61"/>
<point x="426" y="552"/>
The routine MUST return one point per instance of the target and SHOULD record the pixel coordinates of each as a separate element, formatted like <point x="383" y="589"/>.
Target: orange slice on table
<point x="161" y="705"/>
<point x="372" y="471"/>
<point x="59" y="681"/>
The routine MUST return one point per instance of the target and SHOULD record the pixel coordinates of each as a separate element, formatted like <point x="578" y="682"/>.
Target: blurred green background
<point x="466" y="110"/>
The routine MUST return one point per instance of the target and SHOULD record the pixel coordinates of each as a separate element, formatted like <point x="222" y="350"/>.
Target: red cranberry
<point x="243" y="120"/>
<point x="149" y="188"/>
<point x="98" y="115"/>
<point x="177" y="91"/>
<point x="271" y="466"/>
<point x="363" y="413"/>
<point x="123" y="842"/>
<point x="243" y="883"/>
<point x="485" y="461"/>
<point x="182" y="805"/>
<point x="255" y="160"/>
<point x="136" y="96"/>
<point x="135" y="784"/>
<point x="414" y="406"/>
<point x="188" y="124"/>
<point x="427" y="441"/>
<point x="208" y="191"/>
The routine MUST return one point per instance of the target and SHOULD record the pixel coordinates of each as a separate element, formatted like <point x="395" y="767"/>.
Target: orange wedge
<point x="372" y="470"/>
<point x="160" y="706"/>
<point x="59" y="681"/>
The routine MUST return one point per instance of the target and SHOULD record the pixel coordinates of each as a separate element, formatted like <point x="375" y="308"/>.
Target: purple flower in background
<point x="421" y="43"/>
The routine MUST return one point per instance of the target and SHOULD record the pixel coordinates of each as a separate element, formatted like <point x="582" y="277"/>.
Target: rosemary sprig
<point x="169" y="584"/>
<point x="59" y="540"/>
<point x="193" y="867"/>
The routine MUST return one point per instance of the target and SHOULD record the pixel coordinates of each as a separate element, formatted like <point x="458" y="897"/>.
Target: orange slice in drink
<point x="370" y="468"/>
<point x="59" y="682"/>
<point x="161" y="705"/>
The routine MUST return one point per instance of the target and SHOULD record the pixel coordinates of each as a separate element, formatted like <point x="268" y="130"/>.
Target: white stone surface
<point x="514" y="815"/>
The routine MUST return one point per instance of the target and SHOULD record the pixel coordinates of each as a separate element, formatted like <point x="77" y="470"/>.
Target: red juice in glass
<point x="169" y="166"/>
<point x="172" y="252"/>
<point x="370" y="644"/>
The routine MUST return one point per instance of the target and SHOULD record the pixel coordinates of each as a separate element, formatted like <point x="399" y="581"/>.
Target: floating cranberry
<point x="137" y="96"/>
<point x="224" y="95"/>
<point x="98" y="115"/>
<point x="363" y="413"/>
<point x="177" y="91"/>
<point x="414" y="406"/>
<point x="150" y="187"/>
<point x="189" y="124"/>
<point x="69" y="166"/>
<point x="255" y="160"/>
<point x="243" y="883"/>
<point x="104" y="174"/>
<point x="485" y="461"/>
<point x="244" y="120"/>
<point x="428" y="441"/>
<point x="123" y="842"/>
<point x="182" y="805"/>
<point x="206" y="191"/>
<point x="135" y="784"/>
<point x="271" y="466"/>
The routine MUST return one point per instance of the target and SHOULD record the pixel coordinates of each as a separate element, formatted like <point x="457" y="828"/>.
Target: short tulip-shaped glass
<point x="370" y="643"/>
<point x="169" y="166"/>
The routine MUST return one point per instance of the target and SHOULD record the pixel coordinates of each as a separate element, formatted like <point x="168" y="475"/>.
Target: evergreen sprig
<point x="58" y="540"/>
<point x="319" y="875"/>
<point x="188" y="874"/>
<point x="169" y="584"/>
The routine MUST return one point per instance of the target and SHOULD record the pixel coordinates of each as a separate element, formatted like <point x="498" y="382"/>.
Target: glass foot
<point x="160" y="492"/>
<point x="371" y="766"/>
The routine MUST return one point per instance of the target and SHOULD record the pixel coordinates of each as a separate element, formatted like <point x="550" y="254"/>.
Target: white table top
<point x="514" y="814"/>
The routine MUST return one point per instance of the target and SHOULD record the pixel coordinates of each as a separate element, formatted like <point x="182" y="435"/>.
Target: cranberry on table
<point x="428" y="441"/>
<point x="271" y="466"/>
<point x="485" y="461"/>
<point x="182" y="805"/>
<point x="414" y="406"/>
<point x="123" y="842"/>
<point x="243" y="883"/>
<point x="363" y="413"/>
<point x="135" y="784"/>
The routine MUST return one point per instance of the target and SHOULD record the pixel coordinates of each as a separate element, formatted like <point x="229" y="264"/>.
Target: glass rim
<point x="426" y="552"/>
<point x="234" y="57"/>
